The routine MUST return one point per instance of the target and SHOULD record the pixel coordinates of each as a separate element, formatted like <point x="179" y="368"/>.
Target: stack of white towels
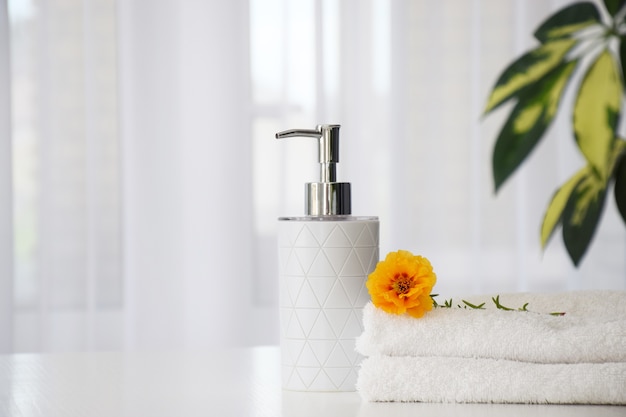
<point x="497" y="356"/>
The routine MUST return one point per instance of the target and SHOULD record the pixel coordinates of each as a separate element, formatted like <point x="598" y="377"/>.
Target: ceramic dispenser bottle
<point x="325" y="257"/>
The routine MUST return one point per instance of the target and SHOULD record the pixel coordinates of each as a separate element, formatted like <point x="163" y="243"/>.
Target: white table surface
<point x="235" y="382"/>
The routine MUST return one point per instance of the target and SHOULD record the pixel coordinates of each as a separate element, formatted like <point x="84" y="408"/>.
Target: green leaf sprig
<point x="496" y="300"/>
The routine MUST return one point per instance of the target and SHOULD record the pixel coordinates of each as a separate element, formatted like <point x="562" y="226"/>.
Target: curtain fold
<point x="187" y="173"/>
<point x="149" y="102"/>
<point x="6" y="187"/>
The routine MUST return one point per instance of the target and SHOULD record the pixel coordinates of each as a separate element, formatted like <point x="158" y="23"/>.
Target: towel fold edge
<point x="462" y="380"/>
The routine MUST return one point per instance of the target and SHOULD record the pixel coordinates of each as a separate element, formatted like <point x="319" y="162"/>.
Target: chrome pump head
<point x="326" y="197"/>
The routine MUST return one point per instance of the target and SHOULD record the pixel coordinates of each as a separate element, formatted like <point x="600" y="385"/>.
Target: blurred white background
<point x="140" y="180"/>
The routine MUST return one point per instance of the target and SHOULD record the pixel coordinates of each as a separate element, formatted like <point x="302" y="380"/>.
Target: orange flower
<point x="402" y="283"/>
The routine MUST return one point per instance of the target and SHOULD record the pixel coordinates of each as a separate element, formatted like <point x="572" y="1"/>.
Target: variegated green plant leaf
<point x="528" y="121"/>
<point x="556" y="206"/>
<point x="596" y="112"/>
<point x="568" y="21"/>
<point x="560" y="198"/>
<point x="581" y="214"/>
<point x="526" y="70"/>
<point x="614" y="6"/>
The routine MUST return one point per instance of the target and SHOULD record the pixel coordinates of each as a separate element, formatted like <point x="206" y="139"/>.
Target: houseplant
<point x="578" y="39"/>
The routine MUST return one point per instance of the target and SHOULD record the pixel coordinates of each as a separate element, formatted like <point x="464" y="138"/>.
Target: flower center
<point x="402" y="284"/>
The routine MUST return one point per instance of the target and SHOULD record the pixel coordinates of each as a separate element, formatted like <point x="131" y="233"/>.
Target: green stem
<point x="476" y="307"/>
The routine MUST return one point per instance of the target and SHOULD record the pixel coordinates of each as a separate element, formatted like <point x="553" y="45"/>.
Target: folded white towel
<point x="436" y="379"/>
<point x="593" y="329"/>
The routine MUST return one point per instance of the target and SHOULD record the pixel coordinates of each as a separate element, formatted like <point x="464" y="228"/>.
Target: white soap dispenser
<point x="324" y="260"/>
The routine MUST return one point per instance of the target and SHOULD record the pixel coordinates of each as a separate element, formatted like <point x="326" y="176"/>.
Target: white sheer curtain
<point x="141" y="182"/>
<point x="66" y="195"/>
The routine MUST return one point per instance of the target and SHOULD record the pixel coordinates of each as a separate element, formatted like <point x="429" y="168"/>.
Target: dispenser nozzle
<point x="328" y="147"/>
<point x="326" y="197"/>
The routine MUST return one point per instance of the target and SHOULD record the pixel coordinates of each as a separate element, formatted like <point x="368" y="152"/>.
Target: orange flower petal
<point x="412" y="293"/>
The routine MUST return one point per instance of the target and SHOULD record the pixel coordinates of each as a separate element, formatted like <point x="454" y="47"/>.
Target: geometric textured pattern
<point x="323" y="266"/>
